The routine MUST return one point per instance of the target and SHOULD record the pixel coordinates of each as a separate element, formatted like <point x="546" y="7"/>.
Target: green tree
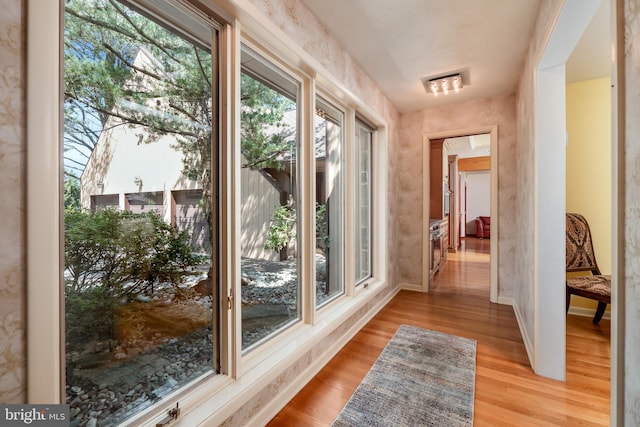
<point x="265" y="137"/>
<point x="170" y="94"/>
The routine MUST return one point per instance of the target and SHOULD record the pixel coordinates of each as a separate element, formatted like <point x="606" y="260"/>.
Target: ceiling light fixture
<point x="444" y="84"/>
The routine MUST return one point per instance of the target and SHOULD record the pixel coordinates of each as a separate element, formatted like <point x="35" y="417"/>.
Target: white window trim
<point x="219" y="396"/>
<point x="44" y="130"/>
<point x="347" y="167"/>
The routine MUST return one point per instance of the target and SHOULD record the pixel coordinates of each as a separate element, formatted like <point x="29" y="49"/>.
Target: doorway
<point x="492" y="132"/>
<point x="470" y="182"/>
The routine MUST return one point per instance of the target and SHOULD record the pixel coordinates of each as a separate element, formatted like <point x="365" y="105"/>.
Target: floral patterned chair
<point x="581" y="258"/>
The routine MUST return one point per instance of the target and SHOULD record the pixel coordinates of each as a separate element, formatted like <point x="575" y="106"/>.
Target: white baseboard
<point x="587" y="312"/>
<point x="410" y="287"/>
<point x="525" y="337"/>
<point x="278" y="402"/>
<point x="507" y="301"/>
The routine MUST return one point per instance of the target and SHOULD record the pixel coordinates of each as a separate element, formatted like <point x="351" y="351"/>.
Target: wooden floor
<point x="507" y="392"/>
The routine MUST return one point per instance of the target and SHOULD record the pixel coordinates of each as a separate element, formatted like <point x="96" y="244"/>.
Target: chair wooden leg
<point x="602" y="306"/>
<point x="568" y="299"/>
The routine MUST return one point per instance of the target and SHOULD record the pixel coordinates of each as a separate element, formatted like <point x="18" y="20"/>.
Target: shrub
<point x="282" y="229"/>
<point x="113" y="256"/>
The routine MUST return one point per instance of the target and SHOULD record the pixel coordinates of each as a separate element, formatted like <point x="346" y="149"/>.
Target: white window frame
<point x="218" y="397"/>
<point x="346" y="167"/>
<point x="361" y="124"/>
<point x="249" y="358"/>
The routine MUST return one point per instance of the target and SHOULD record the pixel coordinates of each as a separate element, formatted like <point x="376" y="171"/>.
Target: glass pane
<point x="269" y="229"/>
<point x="363" y="202"/>
<point x="140" y="285"/>
<point x="329" y="202"/>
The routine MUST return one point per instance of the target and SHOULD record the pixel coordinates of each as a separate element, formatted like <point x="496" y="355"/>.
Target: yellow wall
<point x="589" y="164"/>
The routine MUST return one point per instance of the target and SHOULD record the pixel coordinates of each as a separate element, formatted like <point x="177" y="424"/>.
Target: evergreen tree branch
<point x="133" y="120"/>
<point x="142" y="32"/>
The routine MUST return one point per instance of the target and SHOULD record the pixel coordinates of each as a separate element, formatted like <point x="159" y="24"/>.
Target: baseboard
<point x="525" y="338"/>
<point x="410" y="287"/>
<point x="269" y="411"/>
<point x="587" y="312"/>
<point x="507" y="301"/>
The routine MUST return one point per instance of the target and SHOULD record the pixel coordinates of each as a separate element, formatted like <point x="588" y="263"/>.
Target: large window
<point x="363" y="205"/>
<point x="140" y="276"/>
<point x="329" y="201"/>
<point x="269" y="203"/>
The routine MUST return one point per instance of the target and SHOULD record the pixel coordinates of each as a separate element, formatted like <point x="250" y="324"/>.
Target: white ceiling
<point x="469" y="146"/>
<point x="400" y="42"/>
<point x="592" y="58"/>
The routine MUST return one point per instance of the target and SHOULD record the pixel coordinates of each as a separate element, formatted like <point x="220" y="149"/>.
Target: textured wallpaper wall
<point x="12" y="274"/>
<point x="525" y="176"/>
<point x="632" y="212"/>
<point x="500" y="111"/>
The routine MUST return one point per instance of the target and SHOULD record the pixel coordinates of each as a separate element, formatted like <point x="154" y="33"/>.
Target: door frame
<point x="492" y="130"/>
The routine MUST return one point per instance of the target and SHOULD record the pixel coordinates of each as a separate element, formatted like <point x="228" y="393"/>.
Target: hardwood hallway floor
<point x="507" y="392"/>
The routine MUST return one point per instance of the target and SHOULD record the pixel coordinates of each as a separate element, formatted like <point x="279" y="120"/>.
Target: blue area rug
<point x="421" y="378"/>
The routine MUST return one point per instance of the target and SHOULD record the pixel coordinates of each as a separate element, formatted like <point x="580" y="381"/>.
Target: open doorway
<point x="444" y="205"/>
<point x="544" y="331"/>
<point x="588" y="158"/>
<point x="470" y="184"/>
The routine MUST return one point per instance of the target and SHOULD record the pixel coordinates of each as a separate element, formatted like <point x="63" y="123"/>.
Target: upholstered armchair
<point x="483" y="227"/>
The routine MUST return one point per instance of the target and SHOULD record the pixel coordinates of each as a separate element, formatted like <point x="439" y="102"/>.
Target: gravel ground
<point x="113" y="384"/>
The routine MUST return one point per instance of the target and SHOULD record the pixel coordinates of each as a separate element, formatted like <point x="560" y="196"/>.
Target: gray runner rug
<point x="421" y="378"/>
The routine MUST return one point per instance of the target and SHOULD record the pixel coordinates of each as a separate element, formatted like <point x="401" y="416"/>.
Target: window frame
<point x="278" y="67"/>
<point x="359" y="123"/>
<point x="248" y="359"/>
<point x="325" y="97"/>
<point x="45" y="232"/>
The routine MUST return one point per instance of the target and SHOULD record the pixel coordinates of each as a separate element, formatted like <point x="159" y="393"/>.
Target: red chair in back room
<point x="483" y="227"/>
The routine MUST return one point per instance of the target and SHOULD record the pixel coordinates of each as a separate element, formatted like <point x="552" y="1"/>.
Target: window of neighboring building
<point x="329" y="203"/>
<point x="363" y="202"/>
<point x="139" y="289"/>
<point x="149" y="201"/>
<point x="269" y="227"/>
<point x="101" y="201"/>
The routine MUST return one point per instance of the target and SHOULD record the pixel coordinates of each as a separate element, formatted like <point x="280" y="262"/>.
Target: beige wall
<point x="498" y="111"/>
<point x="12" y="157"/>
<point x="589" y="165"/>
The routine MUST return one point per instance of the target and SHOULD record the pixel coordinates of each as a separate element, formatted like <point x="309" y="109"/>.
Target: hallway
<point x="507" y="391"/>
